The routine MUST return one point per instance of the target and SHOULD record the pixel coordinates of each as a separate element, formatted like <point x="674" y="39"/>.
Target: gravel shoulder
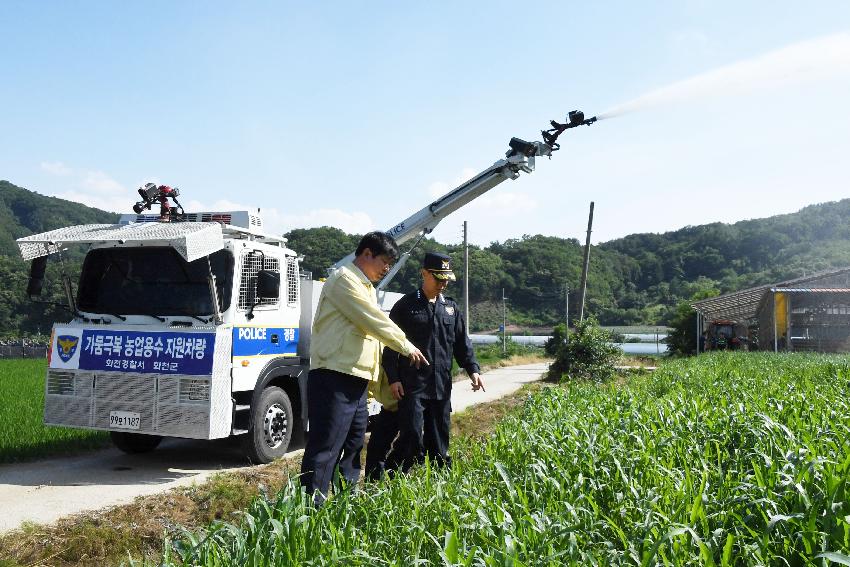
<point x="44" y="491"/>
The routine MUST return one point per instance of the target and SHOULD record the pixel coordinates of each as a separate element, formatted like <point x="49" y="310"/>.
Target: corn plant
<point x="727" y="459"/>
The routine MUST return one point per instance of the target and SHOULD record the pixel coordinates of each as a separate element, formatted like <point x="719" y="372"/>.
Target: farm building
<point x="811" y="313"/>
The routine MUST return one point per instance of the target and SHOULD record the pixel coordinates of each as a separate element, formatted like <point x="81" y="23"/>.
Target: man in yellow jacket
<point x="349" y="331"/>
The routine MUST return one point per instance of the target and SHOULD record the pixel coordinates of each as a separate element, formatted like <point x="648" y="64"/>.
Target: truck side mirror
<point x="36" y="281"/>
<point x="268" y="285"/>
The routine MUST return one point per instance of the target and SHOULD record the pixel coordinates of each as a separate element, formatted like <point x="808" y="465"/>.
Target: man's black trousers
<point x="424" y="426"/>
<point x="336" y="406"/>
<point x="382" y="454"/>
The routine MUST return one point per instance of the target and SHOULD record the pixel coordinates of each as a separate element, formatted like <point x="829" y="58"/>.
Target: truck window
<point x="155" y="280"/>
<point x="292" y="283"/>
<point x="252" y="262"/>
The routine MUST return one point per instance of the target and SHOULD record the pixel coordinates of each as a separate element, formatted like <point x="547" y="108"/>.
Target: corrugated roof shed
<point x="744" y="304"/>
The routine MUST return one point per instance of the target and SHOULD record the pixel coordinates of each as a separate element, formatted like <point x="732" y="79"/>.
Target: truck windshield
<point x="156" y="280"/>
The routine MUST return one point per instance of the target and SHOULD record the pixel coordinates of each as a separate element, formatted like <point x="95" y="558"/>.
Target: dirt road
<point x="44" y="491"/>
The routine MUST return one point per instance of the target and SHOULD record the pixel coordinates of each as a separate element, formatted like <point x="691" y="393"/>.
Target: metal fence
<point x="22" y="350"/>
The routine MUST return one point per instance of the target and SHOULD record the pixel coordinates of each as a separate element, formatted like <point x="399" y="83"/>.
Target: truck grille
<point x="61" y="383"/>
<point x="169" y="405"/>
<point x="68" y="398"/>
<point x="125" y="392"/>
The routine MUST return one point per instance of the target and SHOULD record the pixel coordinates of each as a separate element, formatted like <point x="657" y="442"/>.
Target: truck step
<point x="242" y="407"/>
<point x="238" y="431"/>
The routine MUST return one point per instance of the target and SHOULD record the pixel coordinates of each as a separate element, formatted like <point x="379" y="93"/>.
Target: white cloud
<point x="505" y="203"/>
<point x="497" y="201"/>
<point x="56" y="168"/>
<point x="101" y="183"/>
<point x="355" y="222"/>
<point x="805" y="61"/>
<point x="90" y="187"/>
<point x="277" y="222"/>
<point x="498" y="207"/>
<point x="439" y="188"/>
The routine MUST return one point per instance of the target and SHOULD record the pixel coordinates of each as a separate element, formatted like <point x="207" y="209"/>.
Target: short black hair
<point x="378" y="243"/>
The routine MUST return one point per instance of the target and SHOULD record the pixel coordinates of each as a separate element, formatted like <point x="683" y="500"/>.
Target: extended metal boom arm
<point x="520" y="158"/>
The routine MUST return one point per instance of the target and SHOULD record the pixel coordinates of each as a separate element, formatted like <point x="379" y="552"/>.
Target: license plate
<point x="124" y="419"/>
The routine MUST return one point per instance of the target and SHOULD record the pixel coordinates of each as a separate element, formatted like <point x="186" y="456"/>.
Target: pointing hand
<point x="417" y="359"/>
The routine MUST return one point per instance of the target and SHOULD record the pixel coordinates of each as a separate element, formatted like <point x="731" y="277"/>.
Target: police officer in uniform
<point x="435" y="325"/>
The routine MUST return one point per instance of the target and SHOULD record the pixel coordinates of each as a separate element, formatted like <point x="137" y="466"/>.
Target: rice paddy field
<point x="725" y="459"/>
<point x="23" y="436"/>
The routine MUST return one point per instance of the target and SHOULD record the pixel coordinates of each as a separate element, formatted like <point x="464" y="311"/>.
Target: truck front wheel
<point x="134" y="442"/>
<point x="271" y="427"/>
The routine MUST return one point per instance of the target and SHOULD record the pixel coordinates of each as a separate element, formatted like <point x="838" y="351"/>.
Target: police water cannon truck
<point x="197" y="325"/>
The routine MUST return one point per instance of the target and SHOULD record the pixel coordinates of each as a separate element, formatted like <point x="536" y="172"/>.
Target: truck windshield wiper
<point x="157" y="317"/>
<point x="116" y="315"/>
<point x="187" y="314"/>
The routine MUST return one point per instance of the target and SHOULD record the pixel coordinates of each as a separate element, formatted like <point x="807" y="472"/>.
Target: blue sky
<point x="357" y="114"/>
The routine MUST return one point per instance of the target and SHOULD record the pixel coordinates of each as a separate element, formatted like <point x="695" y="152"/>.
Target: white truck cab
<point x="180" y="330"/>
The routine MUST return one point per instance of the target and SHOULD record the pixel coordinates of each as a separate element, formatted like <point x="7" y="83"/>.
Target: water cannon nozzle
<point x="151" y="193"/>
<point x="528" y="149"/>
<point x="574" y="118"/>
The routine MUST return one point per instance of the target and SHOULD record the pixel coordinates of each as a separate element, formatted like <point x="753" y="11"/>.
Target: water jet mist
<point x="801" y="62"/>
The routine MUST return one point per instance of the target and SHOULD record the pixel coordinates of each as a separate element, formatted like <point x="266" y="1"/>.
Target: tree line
<point x="636" y="280"/>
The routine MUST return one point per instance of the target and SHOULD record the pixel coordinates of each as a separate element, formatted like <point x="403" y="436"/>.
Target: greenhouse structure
<point x="810" y="313"/>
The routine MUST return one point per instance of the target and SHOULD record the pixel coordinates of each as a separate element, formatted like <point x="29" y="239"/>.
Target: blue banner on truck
<point x="158" y="352"/>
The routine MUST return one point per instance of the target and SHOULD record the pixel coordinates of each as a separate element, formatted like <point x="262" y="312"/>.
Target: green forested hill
<point x="668" y="267"/>
<point x="23" y="213"/>
<point x="638" y="279"/>
<point x="633" y="280"/>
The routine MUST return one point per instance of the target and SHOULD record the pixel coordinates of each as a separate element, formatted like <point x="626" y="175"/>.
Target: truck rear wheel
<point x="271" y="426"/>
<point x="134" y="442"/>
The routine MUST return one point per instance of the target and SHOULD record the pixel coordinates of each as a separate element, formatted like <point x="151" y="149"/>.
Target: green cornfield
<point x="725" y="459"/>
<point x="22" y="432"/>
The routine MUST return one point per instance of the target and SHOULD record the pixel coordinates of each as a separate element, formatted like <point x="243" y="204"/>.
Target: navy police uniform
<point x="438" y="330"/>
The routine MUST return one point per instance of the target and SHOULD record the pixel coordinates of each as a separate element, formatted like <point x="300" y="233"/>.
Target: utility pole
<point x="504" y="324"/>
<point x="466" y="276"/>
<point x="583" y="289"/>
<point x="567" y="304"/>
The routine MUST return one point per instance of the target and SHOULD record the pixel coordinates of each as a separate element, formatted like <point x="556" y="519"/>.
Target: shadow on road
<point x="173" y="459"/>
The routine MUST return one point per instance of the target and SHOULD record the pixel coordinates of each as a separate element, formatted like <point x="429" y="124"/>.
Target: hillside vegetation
<point x="634" y="280"/>
<point x="22" y="213"/>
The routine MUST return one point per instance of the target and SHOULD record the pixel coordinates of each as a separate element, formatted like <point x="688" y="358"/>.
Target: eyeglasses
<point x="385" y="261"/>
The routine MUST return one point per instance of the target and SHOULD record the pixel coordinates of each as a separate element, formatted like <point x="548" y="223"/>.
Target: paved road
<point x="44" y="491"/>
<point x="499" y="383"/>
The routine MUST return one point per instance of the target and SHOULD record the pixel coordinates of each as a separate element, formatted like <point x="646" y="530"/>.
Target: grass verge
<point x="23" y="435"/>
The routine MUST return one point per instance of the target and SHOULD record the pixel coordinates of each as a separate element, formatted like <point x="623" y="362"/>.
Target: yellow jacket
<point x="349" y="329"/>
<point x="381" y="392"/>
